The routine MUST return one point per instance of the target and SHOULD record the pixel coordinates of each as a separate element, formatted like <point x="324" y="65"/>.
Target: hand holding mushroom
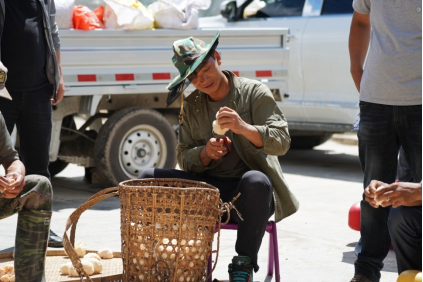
<point x="229" y="119"/>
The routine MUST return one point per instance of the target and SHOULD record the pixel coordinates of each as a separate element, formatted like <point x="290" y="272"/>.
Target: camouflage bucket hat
<point x="189" y="54"/>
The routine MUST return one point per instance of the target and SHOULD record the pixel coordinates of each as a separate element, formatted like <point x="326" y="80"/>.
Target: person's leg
<point x="34" y="205"/>
<point x="404" y="173"/>
<point x="34" y="129"/>
<point x="405" y="228"/>
<point x="255" y="206"/>
<point x="9" y="207"/>
<point x="378" y="153"/>
<point x="408" y="123"/>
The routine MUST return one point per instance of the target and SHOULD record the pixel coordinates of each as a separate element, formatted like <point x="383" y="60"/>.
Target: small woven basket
<point x="167" y="228"/>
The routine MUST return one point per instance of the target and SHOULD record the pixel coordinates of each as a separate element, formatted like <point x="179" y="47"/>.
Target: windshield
<point x="274" y="8"/>
<point x="262" y="9"/>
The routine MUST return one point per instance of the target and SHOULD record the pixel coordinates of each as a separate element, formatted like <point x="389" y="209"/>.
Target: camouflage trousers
<point x="33" y="206"/>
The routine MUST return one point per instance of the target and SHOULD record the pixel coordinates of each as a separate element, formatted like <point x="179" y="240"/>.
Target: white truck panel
<point x="329" y="91"/>
<point x="116" y="57"/>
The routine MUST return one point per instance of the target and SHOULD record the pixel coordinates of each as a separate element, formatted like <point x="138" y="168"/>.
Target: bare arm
<point x="61" y="88"/>
<point x="252" y="134"/>
<point x="358" y="44"/>
<point x="15" y="166"/>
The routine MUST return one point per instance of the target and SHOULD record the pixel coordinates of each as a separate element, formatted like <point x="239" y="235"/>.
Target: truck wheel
<point x="308" y="142"/>
<point x="131" y="141"/>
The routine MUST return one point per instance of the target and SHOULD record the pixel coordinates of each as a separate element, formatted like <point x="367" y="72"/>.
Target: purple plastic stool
<point x="273" y="250"/>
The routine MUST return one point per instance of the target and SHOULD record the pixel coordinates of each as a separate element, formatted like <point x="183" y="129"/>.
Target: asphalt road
<point x="315" y="244"/>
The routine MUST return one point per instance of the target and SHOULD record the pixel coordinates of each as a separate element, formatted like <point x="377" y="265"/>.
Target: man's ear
<point x="217" y="57"/>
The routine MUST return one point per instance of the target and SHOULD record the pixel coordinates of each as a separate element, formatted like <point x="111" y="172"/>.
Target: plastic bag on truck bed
<point x="85" y="19"/>
<point x="99" y="12"/>
<point x="177" y="14"/>
<point x="64" y="13"/>
<point x="127" y="14"/>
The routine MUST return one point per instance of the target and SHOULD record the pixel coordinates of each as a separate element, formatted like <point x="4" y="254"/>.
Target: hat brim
<point x="4" y="93"/>
<point x="194" y="66"/>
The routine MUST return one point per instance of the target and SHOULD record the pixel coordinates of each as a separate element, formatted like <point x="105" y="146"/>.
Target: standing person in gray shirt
<point x="390" y="87"/>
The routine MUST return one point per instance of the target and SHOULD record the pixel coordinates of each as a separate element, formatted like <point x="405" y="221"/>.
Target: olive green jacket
<point x="255" y="104"/>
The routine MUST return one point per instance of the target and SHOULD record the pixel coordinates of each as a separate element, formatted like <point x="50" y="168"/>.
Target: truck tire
<point x="132" y="140"/>
<point x="308" y="142"/>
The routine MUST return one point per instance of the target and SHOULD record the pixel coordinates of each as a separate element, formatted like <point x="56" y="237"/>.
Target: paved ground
<point x="315" y="244"/>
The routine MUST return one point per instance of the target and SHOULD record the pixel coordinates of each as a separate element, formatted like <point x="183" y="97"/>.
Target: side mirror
<point x="228" y="10"/>
<point x="231" y="11"/>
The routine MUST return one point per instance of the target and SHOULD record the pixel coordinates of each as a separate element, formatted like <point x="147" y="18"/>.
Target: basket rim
<point x="124" y="183"/>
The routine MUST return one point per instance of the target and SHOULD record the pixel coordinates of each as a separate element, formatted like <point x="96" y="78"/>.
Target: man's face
<point x="209" y="77"/>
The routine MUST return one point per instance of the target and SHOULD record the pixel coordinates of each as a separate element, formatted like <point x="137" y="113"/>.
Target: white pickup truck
<point x="116" y="81"/>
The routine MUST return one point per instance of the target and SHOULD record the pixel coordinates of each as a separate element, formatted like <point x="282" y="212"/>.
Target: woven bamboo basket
<point x="167" y="228"/>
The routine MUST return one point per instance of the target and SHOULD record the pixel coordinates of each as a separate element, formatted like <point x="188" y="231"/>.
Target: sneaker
<point x="54" y="241"/>
<point x="360" y="278"/>
<point x="241" y="269"/>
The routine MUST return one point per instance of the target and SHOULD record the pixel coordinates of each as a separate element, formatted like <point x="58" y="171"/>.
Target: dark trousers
<point x="404" y="173"/>
<point x="255" y="204"/>
<point x="405" y="228"/>
<point x="31" y="113"/>
<point x="383" y="130"/>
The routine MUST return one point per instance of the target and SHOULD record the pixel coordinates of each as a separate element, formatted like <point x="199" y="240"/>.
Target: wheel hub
<point x="140" y="149"/>
<point x="141" y="153"/>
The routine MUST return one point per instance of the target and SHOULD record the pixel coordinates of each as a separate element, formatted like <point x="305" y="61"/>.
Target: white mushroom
<point x="81" y="250"/>
<point x="105" y="253"/>
<point x="92" y="255"/>
<point x="86" y="265"/>
<point x="5" y="278"/>
<point x="98" y="266"/>
<point x="64" y="268"/>
<point x="79" y="243"/>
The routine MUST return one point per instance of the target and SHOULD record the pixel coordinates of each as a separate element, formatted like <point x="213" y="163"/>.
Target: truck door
<point x="329" y="92"/>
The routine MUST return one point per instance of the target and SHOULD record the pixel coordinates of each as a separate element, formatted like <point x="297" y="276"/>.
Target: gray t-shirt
<point x="232" y="165"/>
<point x="393" y="71"/>
<point x="7" y="152"/>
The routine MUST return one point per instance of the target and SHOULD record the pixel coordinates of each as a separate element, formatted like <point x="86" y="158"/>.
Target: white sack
<point x="177" y="14"/>
<point x="64" y="13"/>
<point x="119" y="16"/>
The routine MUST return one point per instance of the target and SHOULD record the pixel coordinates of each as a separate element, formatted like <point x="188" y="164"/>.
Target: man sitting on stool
<point x="405" y="219"/>
<point x="248" y="164"/>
